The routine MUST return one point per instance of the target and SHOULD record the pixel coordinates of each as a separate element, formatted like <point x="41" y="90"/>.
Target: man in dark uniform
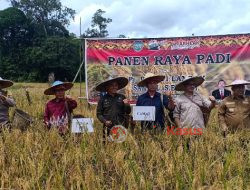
<point x="154" y="98"/>
<point x="221" y="92"/>
<point x="112" y="107"/>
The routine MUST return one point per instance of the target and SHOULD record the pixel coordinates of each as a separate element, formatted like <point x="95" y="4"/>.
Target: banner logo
<point x="138" y="45"/>
<point x="154" y="45"/>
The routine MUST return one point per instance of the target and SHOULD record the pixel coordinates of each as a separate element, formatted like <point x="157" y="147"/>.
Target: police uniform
<point x="234" y="113"/>
<point x="112" y="108"/>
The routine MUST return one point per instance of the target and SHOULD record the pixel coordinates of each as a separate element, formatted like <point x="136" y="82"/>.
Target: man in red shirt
<point x="58" y="110"/>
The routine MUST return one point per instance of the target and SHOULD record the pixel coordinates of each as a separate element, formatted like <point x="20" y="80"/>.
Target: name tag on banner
<point x="144" y="113"/>
<point x="82" y="125"/>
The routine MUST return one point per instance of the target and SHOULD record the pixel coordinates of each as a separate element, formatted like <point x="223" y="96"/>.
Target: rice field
<point x="41" y="159"/>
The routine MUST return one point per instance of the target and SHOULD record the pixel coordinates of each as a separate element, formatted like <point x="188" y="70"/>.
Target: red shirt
<point x="56" y="113"/>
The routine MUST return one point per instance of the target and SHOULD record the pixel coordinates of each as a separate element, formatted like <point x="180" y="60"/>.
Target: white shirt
<point x="189" y="113"/>
<point x="221" y="91"/>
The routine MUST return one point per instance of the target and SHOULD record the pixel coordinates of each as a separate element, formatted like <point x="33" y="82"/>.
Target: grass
<point x="38" y="159"/>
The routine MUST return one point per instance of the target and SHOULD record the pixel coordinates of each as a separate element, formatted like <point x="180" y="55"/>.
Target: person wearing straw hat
<point x="58" y="110"/>
<point x="112" y="106"/>
<point x="234" y="111"/>
<point x="190" y="106"/>
<point x="5" y="102"/>
<point x="154" y="98"/>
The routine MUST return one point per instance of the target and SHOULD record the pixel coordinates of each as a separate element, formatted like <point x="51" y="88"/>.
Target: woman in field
<point x="58" y="110"/>
<point x="5" y="102"/>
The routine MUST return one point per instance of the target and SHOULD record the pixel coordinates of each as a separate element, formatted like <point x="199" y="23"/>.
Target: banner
<point x="224" y="57"/>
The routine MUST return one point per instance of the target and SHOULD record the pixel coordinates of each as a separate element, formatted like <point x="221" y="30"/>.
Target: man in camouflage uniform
<point x="234" y="111"/>
<point x="112" y="107"/>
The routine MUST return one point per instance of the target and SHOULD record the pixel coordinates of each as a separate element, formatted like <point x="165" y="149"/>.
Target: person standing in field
<point x="234" y="111"/>
<point x="156" y="99"/>
<point x="58" y="110"/>
<point x="112" y="107"/>
<point x="191" y="106"/>
<point x="6" y="101"/>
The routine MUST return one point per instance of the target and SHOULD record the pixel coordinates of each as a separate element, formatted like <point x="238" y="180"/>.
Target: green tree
<point x="14" y="28"/>
<point x="54" y="54"/>
<point x="35" y="42"/>
<point x="15" y="36"/>
<point x="26" y="56"/>
<point x="49" y="15"/>
<point x="99" y="25"/>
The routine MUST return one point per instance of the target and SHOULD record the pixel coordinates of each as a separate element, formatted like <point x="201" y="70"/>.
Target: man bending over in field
<point x="5" y="102"/>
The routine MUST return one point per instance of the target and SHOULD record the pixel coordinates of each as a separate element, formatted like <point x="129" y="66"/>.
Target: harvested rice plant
<point x="41" y="159"/>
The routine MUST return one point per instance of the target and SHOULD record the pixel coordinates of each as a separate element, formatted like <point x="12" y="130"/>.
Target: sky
<point x="162" y="18"/>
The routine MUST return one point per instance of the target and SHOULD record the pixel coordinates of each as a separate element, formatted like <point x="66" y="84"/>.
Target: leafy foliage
<point x="35" y="42"/>
<point x="99" y="25"/>
<point x="49" y="14"/>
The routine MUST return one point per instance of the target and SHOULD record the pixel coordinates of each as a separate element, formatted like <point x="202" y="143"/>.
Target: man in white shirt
<point x="190" y="105"/>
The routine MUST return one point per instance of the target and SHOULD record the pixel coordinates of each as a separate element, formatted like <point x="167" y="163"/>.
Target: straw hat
<point x="5" y="83"/>
<point x="198" y="80"/>
<point x="122" y="82"/>
<point x="58" y="85"/>
<point x="149" y="77"/>
<point x="238" y="82"/>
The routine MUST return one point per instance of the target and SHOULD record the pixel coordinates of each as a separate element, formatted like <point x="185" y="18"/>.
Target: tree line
<point x="34" y="40"/>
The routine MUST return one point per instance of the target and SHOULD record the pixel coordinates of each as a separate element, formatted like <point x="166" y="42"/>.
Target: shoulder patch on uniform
<point x="230" y="103"/>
